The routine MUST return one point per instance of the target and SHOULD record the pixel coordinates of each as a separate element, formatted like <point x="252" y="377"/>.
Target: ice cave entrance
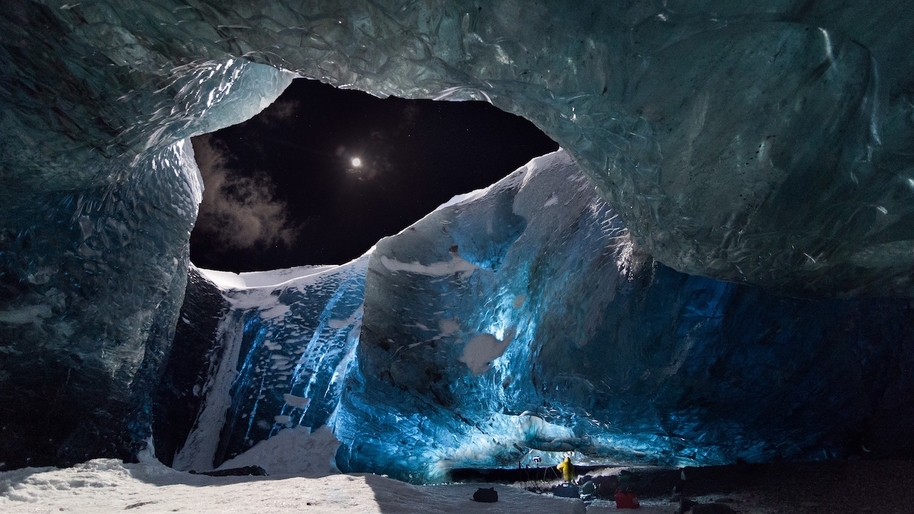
<point x="323" y="173"/>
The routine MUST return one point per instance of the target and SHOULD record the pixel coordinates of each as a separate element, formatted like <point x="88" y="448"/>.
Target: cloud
<point x="279" y="111"/>
<point x="238" y="211"/>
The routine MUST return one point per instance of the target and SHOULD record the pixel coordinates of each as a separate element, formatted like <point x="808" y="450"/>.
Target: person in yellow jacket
<point x="567" y="469"/>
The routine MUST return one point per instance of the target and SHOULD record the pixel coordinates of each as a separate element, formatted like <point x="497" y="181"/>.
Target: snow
<point x="107" y="485"/>
<point x="435" y="269"/>
<point x="314" y="454"/>
<point x="259" y="279"/>
<point x="464" y="198"/>
<point x="296" y="401"/>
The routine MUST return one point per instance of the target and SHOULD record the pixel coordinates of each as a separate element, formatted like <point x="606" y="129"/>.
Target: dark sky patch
<point x="283" y="189"/>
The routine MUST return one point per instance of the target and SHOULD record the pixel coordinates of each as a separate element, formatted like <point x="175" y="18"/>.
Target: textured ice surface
<point x="799" y="113"/>
<point x="523" y="321"/>
<point x="284" y="348"/>
<point x="761" y="143"/>
<point x="179" y="396"/>
<point x="567" y="336"/>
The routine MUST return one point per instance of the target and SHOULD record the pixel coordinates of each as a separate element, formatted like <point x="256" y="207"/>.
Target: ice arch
<point x="766" y="145"/>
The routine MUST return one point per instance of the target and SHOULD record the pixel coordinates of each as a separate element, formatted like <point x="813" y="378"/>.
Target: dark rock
<point x="606" y="486"/>
<point x="486" y="495"/>
<point x="566" y="491"/>
<point x="235" y="472"/>
<point x="588" y="490"/>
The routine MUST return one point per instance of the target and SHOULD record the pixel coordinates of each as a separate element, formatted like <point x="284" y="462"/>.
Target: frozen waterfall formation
<point x="718" y="266"/>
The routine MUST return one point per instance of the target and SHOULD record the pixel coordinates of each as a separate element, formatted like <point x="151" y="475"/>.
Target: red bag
<point x="626" y="500"/>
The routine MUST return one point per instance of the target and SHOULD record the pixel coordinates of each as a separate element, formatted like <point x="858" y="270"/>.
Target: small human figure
<point x="567" y="469"/>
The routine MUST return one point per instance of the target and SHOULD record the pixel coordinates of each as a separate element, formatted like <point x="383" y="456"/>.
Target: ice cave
<point x="717" y="266"/>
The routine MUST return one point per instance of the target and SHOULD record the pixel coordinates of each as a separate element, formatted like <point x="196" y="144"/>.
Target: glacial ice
<point x="282" y="351"/>
<point x="736" y="286"/>
<point x="524" y="321"/>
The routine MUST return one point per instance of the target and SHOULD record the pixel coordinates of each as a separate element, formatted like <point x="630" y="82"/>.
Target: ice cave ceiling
<point x="717" y="266"/>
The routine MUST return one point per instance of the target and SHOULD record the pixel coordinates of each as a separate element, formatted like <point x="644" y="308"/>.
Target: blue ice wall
<point x="579" y="341"/>
<point x="284" y="348"/>
<point x="764" y="144"/>
<point x="179" y="396"/>
<point x="524" y="321"/>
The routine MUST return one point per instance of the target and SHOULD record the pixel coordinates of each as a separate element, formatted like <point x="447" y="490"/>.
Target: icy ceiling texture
<point x="768" y="146"/>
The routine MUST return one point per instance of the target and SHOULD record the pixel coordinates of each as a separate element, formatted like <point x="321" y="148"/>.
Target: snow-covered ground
<point x="107" y="485"/>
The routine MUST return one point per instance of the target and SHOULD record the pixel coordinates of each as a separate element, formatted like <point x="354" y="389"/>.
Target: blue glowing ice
<point x="285" y="347"/>
<point x="579" y="341"/>
<point x="576" y="340"/>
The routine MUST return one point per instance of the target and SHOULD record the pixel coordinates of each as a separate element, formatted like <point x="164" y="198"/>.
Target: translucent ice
<point x="768" y="144"/>
<point x="576" y="340"/>
<point x="283" y="350"/>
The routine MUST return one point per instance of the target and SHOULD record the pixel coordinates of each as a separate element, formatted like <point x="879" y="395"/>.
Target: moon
<point x="356" y="162"/>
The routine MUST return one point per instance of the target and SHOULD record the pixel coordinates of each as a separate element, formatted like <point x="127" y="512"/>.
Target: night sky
<point x="285" y="189"/>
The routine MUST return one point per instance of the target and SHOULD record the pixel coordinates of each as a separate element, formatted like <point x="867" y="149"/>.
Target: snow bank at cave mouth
<point x="295" y="451"/>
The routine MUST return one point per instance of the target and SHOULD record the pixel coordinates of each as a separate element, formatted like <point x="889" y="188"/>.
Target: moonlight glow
<point x="356" y="162"/>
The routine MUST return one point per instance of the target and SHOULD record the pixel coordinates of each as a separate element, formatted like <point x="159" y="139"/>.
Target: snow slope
<point x="107" y="485"/>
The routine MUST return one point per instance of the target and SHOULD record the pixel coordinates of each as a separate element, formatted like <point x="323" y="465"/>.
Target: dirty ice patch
<point x="482" y="349"/>
<point x="30" y="314"/>
<point x="447" y="328"/>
